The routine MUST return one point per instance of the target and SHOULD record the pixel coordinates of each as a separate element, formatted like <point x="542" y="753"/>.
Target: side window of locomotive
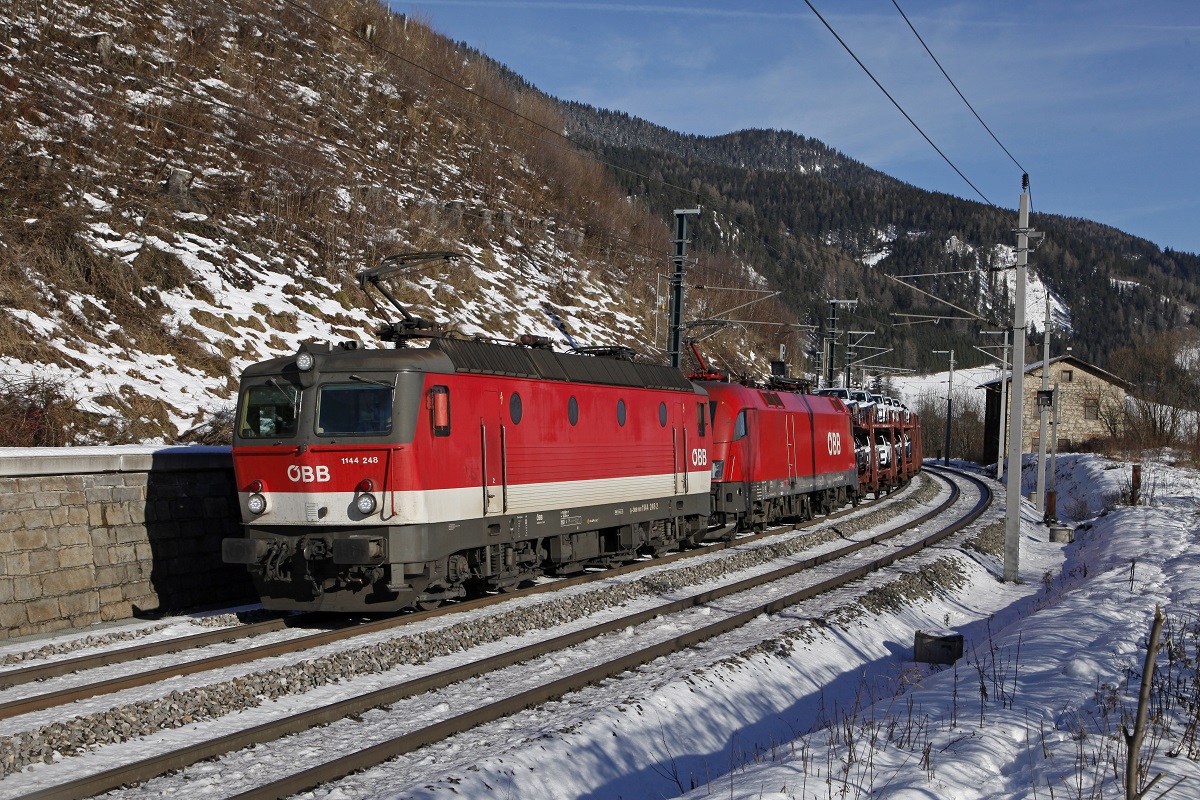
<point x="621" y="413"/>
<point x="739" y="426"/>
<point x="354" y="410"/>
<point x="514" y="408"/>
<point x="662" y="414"/>
<point x="269" y="411"/>
<point x="573" y="411"/>
<point x="439" y="410"/>
<point x="701" y="417"/>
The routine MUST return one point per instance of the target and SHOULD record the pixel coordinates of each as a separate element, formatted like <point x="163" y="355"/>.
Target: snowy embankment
<point x="829" y="704"/>
<point x="1035" y="707"/>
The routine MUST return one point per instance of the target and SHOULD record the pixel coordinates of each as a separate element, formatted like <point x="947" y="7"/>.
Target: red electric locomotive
<point x="384" y="479"/>
<point x="778" y="453"/>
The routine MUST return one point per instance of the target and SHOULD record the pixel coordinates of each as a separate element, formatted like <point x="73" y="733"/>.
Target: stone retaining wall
<point x="91" y="534"/>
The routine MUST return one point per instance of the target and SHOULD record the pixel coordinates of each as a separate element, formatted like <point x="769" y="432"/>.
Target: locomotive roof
<point x="487" y="358"/>
<point x="521" y="362"/>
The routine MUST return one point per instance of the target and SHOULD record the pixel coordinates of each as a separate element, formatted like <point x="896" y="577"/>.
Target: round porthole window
<point x="514" y="408"/>
<point x="621" y="413"/>
<point x="573" y="410"/>
<point x="662" y="414"/>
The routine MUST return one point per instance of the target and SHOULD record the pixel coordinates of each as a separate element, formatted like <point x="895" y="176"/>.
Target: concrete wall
<point x="90" y="534"/>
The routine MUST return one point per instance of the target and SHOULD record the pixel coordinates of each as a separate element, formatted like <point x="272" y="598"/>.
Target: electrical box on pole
<point x="675" y="347"/>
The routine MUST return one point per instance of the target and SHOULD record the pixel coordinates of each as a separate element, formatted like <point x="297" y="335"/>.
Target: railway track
<point x="304" y="635"/>
<point x="699" y="605"/>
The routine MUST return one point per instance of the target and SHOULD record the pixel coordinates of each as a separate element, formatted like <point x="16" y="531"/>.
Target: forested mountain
<point x="823" y="226"/>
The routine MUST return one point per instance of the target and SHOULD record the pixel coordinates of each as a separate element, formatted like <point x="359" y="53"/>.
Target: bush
<point x="37" y="412"/>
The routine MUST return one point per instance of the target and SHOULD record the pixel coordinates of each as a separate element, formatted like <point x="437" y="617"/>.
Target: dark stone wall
<point x="96" y="534"/>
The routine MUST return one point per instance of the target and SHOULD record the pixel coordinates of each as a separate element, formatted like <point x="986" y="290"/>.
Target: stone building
<point x="1091" y="404"/>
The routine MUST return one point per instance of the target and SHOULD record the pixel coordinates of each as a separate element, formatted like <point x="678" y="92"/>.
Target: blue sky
<point x="1099" y="101"/>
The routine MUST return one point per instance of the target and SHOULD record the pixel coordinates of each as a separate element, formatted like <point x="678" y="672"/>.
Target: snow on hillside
<point x="998" y="256"/>
<point x="238" y="309"/>
<point x="912" y="387"/>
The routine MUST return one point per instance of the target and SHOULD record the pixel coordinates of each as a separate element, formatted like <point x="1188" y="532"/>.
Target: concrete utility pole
<point x="675" y="346"/>
<point x="949" y="403"/>
<point x="1043" y="413"/>
<point x="1012" y="519"/>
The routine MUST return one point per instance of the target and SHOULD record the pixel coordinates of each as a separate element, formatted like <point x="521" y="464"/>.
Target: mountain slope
<point x="189" y="188"/>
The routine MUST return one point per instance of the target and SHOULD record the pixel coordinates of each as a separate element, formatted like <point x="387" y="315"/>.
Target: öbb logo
<point x="306" y="474"/>
<point x="834" y="443"/>
<point x="699" y="457"/>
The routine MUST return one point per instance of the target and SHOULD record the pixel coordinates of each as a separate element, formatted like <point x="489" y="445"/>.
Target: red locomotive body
<point x="778" y="454"/>
<point x="382" y="479"/>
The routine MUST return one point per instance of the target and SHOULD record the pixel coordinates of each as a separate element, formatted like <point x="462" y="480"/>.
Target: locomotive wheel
<point x="428" y="605"/>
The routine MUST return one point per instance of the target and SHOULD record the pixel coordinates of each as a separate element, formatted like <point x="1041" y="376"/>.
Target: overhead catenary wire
<point x="956" y="89"/>
<point x="895" y="102"/>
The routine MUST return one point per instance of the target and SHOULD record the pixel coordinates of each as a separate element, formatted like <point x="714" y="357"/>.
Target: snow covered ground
<point x="837" y="708"/>
<point x="824" y="700"/>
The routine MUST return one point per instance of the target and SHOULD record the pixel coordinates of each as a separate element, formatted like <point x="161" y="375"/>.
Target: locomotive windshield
<point x="354" y="409"/>
<point x="270" y="411"/>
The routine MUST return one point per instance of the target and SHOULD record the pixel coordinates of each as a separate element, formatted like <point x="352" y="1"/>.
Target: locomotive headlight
<point x="256" y="504"/>
<point x="365" y="503"/>
<point x="304" y="361"/>
<point x="718" y="469"/>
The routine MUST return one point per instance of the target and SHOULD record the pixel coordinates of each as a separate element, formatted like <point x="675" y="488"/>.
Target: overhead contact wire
<point x="956" y="89"/>
<point x="896" y="103"/>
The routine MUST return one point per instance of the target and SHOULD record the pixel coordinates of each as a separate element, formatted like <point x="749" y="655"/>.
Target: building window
<point x="1066" y="375"/>
<point x="1091" y="408"/>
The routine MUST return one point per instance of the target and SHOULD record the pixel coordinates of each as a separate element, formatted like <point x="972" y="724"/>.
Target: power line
<point x="899" y="107"/>
<point x="960" y="94"/>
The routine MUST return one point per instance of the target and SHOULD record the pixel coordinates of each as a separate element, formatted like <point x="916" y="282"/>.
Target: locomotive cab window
<point x="739" y="426"/>
<point x="701" y="417"/>
<point x="269" y="411"/>
<point x="355" y="409"/>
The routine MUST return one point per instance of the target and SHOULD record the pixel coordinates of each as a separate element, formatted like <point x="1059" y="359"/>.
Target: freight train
<point x="387" y="479"/>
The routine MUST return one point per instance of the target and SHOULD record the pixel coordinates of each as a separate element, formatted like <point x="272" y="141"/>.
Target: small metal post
<point x="1044" y="412"/>
<point x="949" y="403"/>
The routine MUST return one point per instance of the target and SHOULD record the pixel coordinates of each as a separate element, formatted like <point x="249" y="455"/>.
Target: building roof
<point x="1067" y="359"/>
